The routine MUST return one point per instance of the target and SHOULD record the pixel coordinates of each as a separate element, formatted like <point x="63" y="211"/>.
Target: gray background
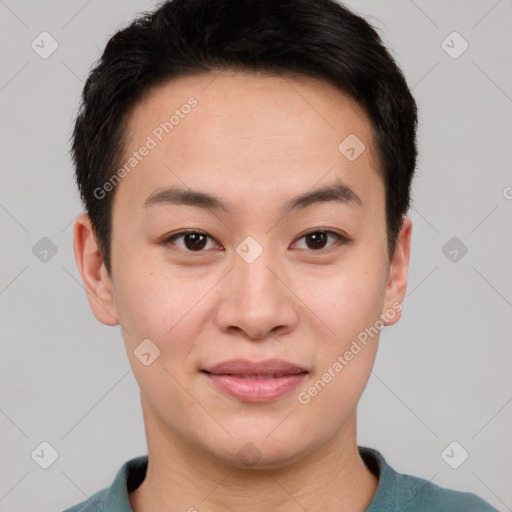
<point x="442" y="373"/>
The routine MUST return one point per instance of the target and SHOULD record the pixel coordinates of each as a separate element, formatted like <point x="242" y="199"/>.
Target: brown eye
<point x="192" y="241"/>
<point x="318" y="240"/>
<point x="195" y="241"/>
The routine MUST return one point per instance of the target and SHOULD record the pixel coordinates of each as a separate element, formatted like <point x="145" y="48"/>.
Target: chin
<point x="261" y="451"/>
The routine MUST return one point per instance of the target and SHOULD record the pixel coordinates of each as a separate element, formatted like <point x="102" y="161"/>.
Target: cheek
<point x="346" y="301"/>
<point x="153" y="304"/>
<point x="350" y="307"/>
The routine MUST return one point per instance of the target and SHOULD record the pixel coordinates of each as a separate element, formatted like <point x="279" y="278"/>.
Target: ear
<point x="97" y="283"/>
<point x="398" y="270"/>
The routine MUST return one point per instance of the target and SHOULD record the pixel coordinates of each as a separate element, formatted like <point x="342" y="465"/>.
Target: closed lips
<point x="255" y="376"/>
<point x="245" y="369"/>
<point x="256" y="381"/>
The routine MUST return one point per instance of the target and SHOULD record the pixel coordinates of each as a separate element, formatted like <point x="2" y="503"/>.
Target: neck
<point x="181" y="477"/>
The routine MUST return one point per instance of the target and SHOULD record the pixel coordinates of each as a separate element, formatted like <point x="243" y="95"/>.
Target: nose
<point x="257" y="300"/>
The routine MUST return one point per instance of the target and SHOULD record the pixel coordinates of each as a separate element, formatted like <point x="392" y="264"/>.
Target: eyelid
<point x="340" y="238"/>
<point x="173" y="236"/>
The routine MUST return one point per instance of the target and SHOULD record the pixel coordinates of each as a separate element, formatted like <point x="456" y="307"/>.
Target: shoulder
<point x="406" y="493"/>
<point x="94" y="504"/>
<point x="116" y="497"/>
<point x="420" y="495"/>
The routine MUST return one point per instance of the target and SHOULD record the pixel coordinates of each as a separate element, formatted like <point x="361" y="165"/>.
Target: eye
<point x="193" y="241"/>
<point x="197" y="241"/>
<point x="317" y="240"/>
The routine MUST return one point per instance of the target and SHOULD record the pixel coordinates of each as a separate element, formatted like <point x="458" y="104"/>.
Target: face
<point x="267" y="268"/>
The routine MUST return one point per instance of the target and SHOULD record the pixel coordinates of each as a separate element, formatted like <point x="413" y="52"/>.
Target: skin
<point x="253" y="140"/>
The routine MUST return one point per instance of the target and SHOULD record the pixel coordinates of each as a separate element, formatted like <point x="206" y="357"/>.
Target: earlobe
<point x="398" y="272"/>
<point x="97" y="283"/>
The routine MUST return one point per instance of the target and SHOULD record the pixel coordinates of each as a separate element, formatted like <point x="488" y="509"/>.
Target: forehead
<point x="249" y="132"/>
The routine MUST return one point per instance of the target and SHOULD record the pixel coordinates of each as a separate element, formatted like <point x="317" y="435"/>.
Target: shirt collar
<point x="132" y="473"/>
<point x="385" y="496"/>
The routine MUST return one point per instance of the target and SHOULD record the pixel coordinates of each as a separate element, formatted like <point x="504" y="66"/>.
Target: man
<point x="246" y="168"/>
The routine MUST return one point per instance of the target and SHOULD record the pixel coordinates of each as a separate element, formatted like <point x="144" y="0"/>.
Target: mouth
<point x="261" y="381"/>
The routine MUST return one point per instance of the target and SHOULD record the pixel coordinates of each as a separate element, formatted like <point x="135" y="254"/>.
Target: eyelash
<point x="340" y="239"/>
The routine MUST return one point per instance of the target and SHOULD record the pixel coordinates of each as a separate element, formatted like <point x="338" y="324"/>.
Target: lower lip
<point x="256" y="390"/>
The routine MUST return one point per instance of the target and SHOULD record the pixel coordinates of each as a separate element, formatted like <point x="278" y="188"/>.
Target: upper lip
<point x="245" y="367"/>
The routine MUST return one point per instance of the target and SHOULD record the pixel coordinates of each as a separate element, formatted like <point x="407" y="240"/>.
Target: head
<point x="281" y="133"/>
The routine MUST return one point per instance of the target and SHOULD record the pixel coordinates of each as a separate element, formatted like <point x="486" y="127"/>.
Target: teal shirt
<point x="396" y="492"/>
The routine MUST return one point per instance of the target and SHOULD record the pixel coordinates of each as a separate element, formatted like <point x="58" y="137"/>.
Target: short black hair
<point x="316" y="38"/>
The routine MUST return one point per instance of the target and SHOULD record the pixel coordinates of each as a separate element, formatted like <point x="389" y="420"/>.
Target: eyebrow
<point x="337" y="192"/>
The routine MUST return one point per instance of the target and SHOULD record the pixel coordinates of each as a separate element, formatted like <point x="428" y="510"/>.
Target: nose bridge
<point x="256" y="282"/>
<point x="258" y="302"/>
